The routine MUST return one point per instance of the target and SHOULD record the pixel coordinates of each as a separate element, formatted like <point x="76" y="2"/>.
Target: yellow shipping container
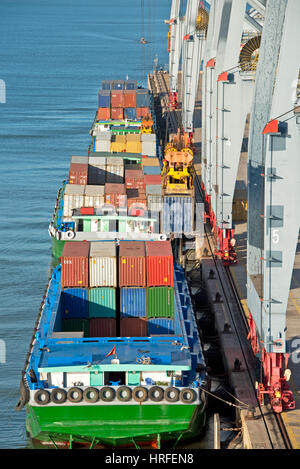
<point x="118" y="147"/>
<point x="133" y="137"/>
<point x="134" y="147"/>
<point x="150" y="162"/>
<point x="120" y="138"/>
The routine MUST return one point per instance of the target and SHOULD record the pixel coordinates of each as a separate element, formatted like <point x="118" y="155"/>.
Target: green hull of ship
<point x="115" y="425"/>
<point x="57" y="247"/>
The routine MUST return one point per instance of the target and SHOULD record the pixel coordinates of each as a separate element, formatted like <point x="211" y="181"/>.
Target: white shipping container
<point x="114" y="170"/>
<point x="102" y="145"/>
<point x="94" y="196"/>
<point x="149" y="148"/>
<point x="97" y="166"/>
<point x="73" y="198"/>
<point x="148" y="138"/>
<point x="155" y="203"/>
<point x="103" y="135"/>
<point x="103" y="264"/>
<point x="98" y="161"/>
<point x="80" y="159"/>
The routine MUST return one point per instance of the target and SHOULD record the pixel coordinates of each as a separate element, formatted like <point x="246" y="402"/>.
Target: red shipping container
<point x="87" y="211"/>
<point x="115" y="194"/>
<point x="117" y="98"/>
<point x="75" y="264"/>
<point x="116" y="113"/>
<point x="134" y="179"/>
<point x="129" y="98"/>
<point x="152" y="179"/>
<point x="103" y="327"/>
<point x="133" y="327"/>
<point x="160" y="267"/>
<point x="132" y="264"/>
<point x="78" y="173"/>
<point x="103" y="113"/>
<point x="142" y="112"/>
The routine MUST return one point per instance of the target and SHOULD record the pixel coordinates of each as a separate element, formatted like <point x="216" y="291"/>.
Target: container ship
<point x="115" y="358"/>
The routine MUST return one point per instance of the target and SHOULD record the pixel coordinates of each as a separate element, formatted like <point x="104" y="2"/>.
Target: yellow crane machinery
<point x="178" y="172"/>
<point x="147" y="125"/>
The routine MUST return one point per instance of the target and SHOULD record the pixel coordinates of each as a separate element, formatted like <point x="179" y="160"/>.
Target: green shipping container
<point x="102" y="302"/>
<point x="160" y="302"/>
<point x="76" y="325"/>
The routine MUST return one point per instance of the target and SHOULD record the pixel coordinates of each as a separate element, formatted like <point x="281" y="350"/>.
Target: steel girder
<point x="274" y="175"/>
<point x="208" y="95"/>
<point x="192" y="56"/>
<point x="176" y="29"/>
<point x="227" y="101"/>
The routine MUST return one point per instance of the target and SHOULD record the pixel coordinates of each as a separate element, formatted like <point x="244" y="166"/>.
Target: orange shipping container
<point x="116" y="113"/>
<point x="129" y="98"/>
<point x="117" y="99"/>
<point x="159" y="260"/>
<point x="103" y="113"/>
<point x="75" y="264"/>
<point x="132" y="264"/>
<point x="142" y="112"/>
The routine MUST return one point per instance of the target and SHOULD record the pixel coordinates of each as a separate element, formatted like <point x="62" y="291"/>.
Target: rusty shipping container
<point x="75" y="264"/>
<point x="133" y="327"/>
<point x="134" y="179"/>
<point x="115" y="194"/>
<point x="132" y="264"/>
<point x="102" y="327"/>
<point x="142" y="112"/>
<point x="78" y="173"/>
<point x="159" y="261"/>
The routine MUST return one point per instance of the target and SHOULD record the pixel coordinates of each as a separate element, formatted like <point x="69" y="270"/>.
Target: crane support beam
<point x="252" y="22"/>
<point x="274" y="176"/>
<point x="192" y="56"/>
<point x="226" y="103"/>
<point x="176" y="39"/>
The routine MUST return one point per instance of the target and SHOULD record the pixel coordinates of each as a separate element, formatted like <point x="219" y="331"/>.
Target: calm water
<point x="53" y="57"/>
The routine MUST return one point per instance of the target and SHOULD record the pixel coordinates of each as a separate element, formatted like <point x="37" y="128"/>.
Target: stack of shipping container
<point x="98" y="180"/>
<point x="109" y="294"/>
<point x="119" y="99"/>
<point x="137" y="143"/>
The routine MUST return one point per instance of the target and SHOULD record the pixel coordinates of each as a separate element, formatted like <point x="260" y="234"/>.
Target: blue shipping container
<point x="133" y="302"/>
<point x="178" y="214"/>
<point x="160" y="326"/>
<point x="74" y="303"/>
<point x="107" y="84"/>
<point x="142" y="98"/>
<point x="151" y="169"/>
<point x="104" y="98"/>
<point x="130" y="113"/>
<point x="130" y="85"/>
<point x="118" y="85"/>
